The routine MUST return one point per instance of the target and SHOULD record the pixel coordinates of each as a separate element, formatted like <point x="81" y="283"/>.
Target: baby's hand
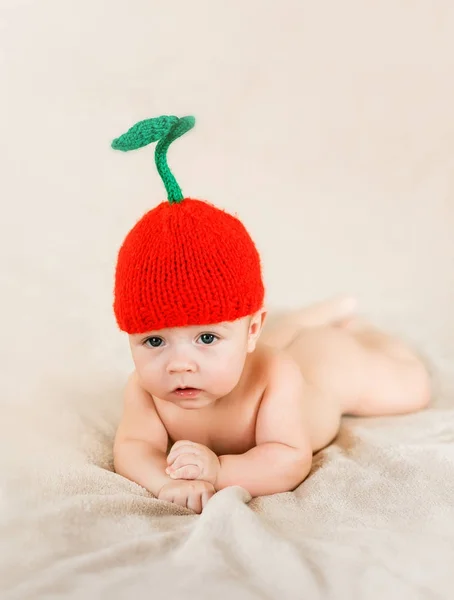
<point x="189" y="494"/>
<point x="188" y="460"/>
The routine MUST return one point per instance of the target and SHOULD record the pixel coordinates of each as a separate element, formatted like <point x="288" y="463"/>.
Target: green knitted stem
<point x="174" y="194"/>
<point x="163" y="130"/>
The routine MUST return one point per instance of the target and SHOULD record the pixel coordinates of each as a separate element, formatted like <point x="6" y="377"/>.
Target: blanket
<point x="374" y="519"/>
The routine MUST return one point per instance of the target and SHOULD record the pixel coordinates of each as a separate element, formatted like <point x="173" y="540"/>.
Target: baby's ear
<point x="255" y="328"/>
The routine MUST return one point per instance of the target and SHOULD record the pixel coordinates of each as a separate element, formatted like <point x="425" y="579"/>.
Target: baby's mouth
<point x="186" y="392"/>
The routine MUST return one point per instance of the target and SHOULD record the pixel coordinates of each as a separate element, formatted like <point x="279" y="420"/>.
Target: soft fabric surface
<point x="374" y="519"/>
<point x="327" y="127"/>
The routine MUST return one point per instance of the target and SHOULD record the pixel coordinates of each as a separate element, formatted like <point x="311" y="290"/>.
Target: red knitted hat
<point x="185" y="262"/>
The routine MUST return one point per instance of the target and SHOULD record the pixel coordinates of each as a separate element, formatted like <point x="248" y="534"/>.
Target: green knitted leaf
<point x="143" y="133"/>
<point x="164" y="130"/>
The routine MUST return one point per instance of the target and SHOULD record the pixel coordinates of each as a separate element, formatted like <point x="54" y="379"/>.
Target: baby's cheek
<point x="150" y="377"/>
<point x="226" y="378"/>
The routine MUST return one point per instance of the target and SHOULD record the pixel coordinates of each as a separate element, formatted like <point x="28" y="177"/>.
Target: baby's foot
<point x="337" y="312"/>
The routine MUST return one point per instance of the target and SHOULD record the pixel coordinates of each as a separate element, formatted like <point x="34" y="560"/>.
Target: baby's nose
<point x="181" y="366"/>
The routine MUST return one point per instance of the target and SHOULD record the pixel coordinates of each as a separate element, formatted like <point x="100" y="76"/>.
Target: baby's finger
<point x="184" y="460"/>
<point x="195" y="503"/>
<point x="166" y="496"/>
<point x="205" y="497"/>
<point x="173" y="454"/>
<point x="171" y="496"/>
<point x="180" y="498"/>
<point x="182" y="443"/>
<point x="186" y="472"/>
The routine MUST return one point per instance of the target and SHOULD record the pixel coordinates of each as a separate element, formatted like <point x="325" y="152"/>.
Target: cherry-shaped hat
<point x="185" y="262"/>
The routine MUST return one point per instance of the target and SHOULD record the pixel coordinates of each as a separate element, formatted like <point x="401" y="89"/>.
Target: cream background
<point x="327" y="126"/>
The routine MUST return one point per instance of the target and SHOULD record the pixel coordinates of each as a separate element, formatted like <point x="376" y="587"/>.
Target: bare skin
<point x="236" y="411"/>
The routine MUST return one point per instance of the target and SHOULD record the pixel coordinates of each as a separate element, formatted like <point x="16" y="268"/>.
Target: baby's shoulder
<point x="275" y="365"/>
<point x="284" y="384"/>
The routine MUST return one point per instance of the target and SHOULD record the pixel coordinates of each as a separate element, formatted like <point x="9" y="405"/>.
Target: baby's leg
<point x="336" y="312"/>
<point x="356" y="370"/>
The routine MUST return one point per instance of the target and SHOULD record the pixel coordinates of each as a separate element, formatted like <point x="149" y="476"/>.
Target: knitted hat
<point x="185" y="262"/>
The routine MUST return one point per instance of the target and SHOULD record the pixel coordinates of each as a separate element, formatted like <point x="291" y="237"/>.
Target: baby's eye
<point x="208" y="338"/>
<point x="154" y="342"/>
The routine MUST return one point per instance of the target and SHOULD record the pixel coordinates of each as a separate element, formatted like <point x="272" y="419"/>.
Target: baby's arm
<point x="141" y="441"/>
<point x="282" y="457"/>
<point x="140" y="452"/>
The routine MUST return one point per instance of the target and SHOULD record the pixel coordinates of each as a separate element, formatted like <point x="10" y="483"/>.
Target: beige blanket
<point x="375" y="519"/>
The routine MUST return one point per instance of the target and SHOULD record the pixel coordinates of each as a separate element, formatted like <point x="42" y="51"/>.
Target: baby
<point x="217" y="399"/>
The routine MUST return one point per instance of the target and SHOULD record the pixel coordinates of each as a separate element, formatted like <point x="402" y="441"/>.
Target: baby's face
<point x="194" y="366"/>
